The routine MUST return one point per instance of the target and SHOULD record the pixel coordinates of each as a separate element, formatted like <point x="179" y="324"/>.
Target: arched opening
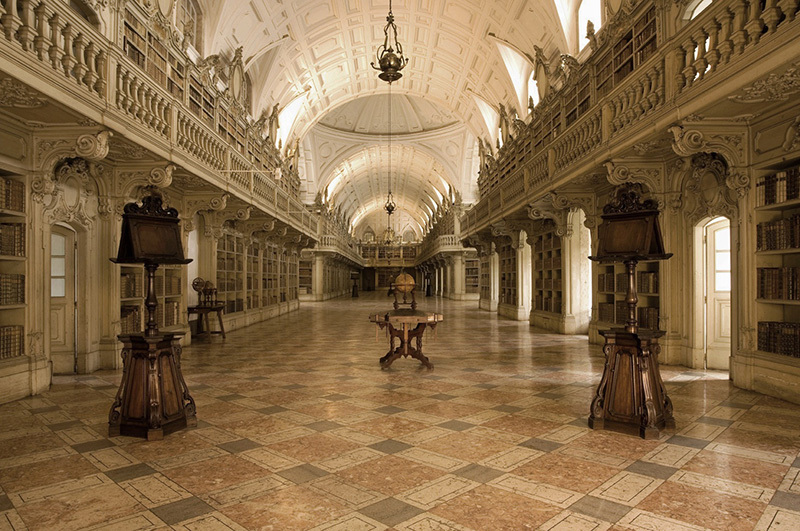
<point x="712" y="294"/>
<point x="190" y="23"/>
<point x="695" y="8"/>
<point x="85" y="12"/>
<point x="63" y="299"/>
<point x="589" y="10"/>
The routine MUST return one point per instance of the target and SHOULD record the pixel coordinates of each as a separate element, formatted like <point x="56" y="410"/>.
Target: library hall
<point x="400" y="265"/>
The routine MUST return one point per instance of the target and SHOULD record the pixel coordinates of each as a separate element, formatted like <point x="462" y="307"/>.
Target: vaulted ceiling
<point x="312" y="58"/>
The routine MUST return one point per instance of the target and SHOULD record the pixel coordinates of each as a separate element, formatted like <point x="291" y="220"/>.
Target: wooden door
<point x="718" y="294"/>
<point x="63" y="301"/>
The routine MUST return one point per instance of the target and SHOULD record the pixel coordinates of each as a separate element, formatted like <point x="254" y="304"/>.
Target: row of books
<point x="11" y="341"/>
<point x="548" y="263"/>
<point x="229" y="284"/>
<point x="548" y="304"/>
<point x="782" y="283"/>
<point x="779" y="234"/>
<point x="779" y="338"/>
<point x="171" y="282"/>
<point x="778" y="187"/>
<point x="617" y="312"/>
<point x="168" y="314"/>
<point x="12" y="289"/>
<point x="12" y="195"/>
<point x="546" y="244"/>
<point x="130" y="285"/>
<point x="549" y="283"/>
<point x="130" y="320"/>
<point x="12" y="239"/>
<point x="229" y="264"/>
<point x="646" y="282"/>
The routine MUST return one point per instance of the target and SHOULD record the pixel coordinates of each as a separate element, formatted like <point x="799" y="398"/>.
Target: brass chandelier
<point x="390" y="62"/>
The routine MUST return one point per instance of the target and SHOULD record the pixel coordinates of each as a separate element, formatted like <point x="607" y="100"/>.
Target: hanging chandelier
<point x="390" y="62"/>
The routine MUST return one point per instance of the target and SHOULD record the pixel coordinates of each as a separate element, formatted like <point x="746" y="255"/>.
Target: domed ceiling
<point x="312" y="57"/>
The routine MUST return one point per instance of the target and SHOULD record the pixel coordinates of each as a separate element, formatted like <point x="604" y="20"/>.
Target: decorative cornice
<point x="649" y="173"/>
<point x="93" y="146"/>
<point x="731" y="145"/>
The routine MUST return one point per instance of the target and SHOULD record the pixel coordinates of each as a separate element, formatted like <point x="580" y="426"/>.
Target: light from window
<point x="58" y="265"/>
<point x="722" y="260"/>
<point x="589" y="10"/>
<point x="189" y="19"/>
<point x="698" y="8"/>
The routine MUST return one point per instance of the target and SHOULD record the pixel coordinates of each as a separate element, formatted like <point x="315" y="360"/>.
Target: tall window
<point x="189" y="19"/>
<point x="58" y="265"/>
<point x="589" y="10"/>
<point x="722" y="260"/>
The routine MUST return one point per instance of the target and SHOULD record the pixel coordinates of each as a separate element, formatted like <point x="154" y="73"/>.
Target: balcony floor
<point x="300" y="429"/>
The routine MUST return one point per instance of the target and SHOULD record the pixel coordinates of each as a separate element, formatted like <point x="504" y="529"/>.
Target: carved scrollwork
<point x="792" y="137"/>
<point x="93" y="147"/>
<point x="627" y="198"/>
<point x="776" y="87"/>
<point x="649" y="174"/>
<point x="161" y="177"/>
<point x="16" y="94"/>
<point x="152" y="205"/>
<point x="688" y="142"/>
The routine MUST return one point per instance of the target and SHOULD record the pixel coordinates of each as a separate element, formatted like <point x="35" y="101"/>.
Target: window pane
<point x="722" y="239"/>
<point x="57" y="245"/>
<point x="723" y="281"/>
<point x="57" y="264"/>
<point x="58" y="287"/>
<point x="723" y="261"/>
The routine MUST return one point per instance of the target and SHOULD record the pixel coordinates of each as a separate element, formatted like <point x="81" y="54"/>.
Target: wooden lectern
<point x="631" y="395"/>
<point x="152" y="399"/>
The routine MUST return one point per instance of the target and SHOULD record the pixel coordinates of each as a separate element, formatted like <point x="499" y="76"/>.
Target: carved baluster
<point x="789" y="8"/>
<point x="689" y="72"/>
<point x="725" y="46"/>
<point x="26" y="31"/>
<point x="79" y="71"/>
<point x="739" y="35"/>
<point x="712" y="51"/>
<point x="67" y="61"/>
<point x="700" y="63"/>
<point x="138" y="100"/>
<point x="149" y="117"/>
<point x="754" y="24"/>
<point x="680" y="64"/>
<point x="40" y="41"/>
<point x="9" y="19"/>
<point x="163" y="112"/>
<point x="90" y="77"/>
<point x="54" y="51"/>
<point x="771" y="15"/>
<point x="102" y="75"/>
<point x="122" y="88"/>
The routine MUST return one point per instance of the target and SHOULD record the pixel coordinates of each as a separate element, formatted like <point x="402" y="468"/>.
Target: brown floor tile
<point x="566" y="472"/>
<point x="390" y="475"/>
<point x="215" y="474"/>
<point x="737" y="468"/>
<point x="33" y="475"/>
<point x="294" y="508"/>
<point x="314" y="447"/>
<point x="486" y="507"/>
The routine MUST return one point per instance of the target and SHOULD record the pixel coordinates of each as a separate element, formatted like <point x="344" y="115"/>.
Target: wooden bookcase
<point x="269" y="276"/>
<point x="305" y="277"/>
<point x="508" y="274"/>
<point x="230" y="272"/>
<point x="778" y="262"/>
<point x="612" y="287"/>
<point x="485" y="277"/>
<point x="13" y="261"/>
<point x="471" y="274"/>
<point x="169" y="283"/>
<point x="547" y="273"/>
<point x="254" y="264"/>
<point x="293" y="277"/>
<point x="632" y="49"/>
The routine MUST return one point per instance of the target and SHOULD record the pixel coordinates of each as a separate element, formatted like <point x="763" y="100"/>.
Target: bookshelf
<point x="612" y="287"/>
<point x="471" y="274"/>
<point x="230" y="272"/>
<point x="292" y="279"/>
<point x="13" y="261"/>
<point x="305" y="282"/>
<point x="485" y="277"/>
<point x="632" y="49"/>
<point x="778" y="262"/>
<point x="508" y="274"/>
<point x="254" y="275"/>
<point x="547" y="272"/>
<point x="169" y="292"/>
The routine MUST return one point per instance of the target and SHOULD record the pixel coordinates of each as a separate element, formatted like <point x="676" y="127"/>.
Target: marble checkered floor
<point x="300" y="429"/>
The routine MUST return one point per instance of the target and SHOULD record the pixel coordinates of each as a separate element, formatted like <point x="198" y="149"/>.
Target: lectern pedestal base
<point x="631" y="395"/>
<point x="152" y="400"/>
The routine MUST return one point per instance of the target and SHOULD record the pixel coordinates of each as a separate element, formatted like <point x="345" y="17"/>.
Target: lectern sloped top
<point x="630" y="229"/>
<point x="150" y="234"/>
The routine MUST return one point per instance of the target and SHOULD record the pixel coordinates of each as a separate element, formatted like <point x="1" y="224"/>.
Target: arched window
<point x="189" y="22"/>
<point x="590" y="10"/>
<point x="695" y="8"/>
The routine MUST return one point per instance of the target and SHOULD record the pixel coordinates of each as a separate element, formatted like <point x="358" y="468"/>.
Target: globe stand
<point x="405" y="324"/>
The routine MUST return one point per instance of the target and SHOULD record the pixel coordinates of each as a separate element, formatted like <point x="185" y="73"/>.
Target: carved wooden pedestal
<point x="152" y="400"/>
<point x="405" y="325"/>
<point x="631" y="395"/>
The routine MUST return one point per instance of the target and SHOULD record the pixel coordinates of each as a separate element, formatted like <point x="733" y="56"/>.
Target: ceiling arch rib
<point x="332" y="41"/>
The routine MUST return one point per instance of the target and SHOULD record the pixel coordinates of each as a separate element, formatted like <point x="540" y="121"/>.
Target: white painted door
<point x="718" y="294"/>
<point x="62" y="299"/>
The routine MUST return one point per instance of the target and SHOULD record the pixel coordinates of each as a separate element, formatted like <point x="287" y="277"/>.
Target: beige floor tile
<point x="627" y="488"/>
<point x="777" y="519"/>
<point x="569" y="521"/>
<point x="547" y="493"/>
<point x="720" y="485"/>
<point x="154" y="490"/>
<point x="437" y="491"/>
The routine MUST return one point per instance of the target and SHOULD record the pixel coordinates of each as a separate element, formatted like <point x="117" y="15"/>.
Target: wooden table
<point x="203" y="312"/>
<point x="405" y="325"/>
